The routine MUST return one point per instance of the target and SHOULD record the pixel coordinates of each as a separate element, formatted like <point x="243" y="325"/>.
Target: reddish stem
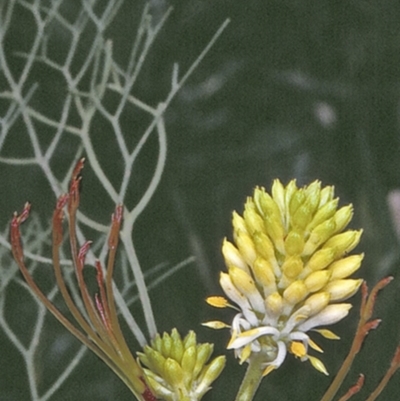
<point x="394" y="365"/>
<point x="82" y="254"/>
<point x="148" y="395"/>
<point x="102" y="331"/>
<point x="354" y="389"/>
<point x="367" y="306"/>
<point x="103" y="298"/>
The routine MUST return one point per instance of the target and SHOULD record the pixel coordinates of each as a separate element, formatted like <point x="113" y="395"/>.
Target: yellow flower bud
<point x="296" y="201"/>
<point x="321" y="259"/>
<point x="157" y="343"/>
<point x="204" y="352"/>
<point x="264" y="274"/>
<point x="317" y="302"/>
<point x="190" y="339"/>
<point x="246" y="286"/>
<point x="302" y="216"/>
<point x="264" y="247"/>
<point x="345" y="267"/>
<point x="343" y="217"/>
<point x="296" y="292"/>
<point x="344" y="242"/>
<point x="294" y="243"/>
<point x="155" y="358"/>
<point x="275" y="231"/>
<point x="266" y="205"/>
<point x="313" y="192"/>
<point x="238" y="223"/>
<point x="270" y="212"/>
<point x="173" y="373"/>
<point x="246" y="247"/>
<point x="292" y="266"/>
<point x="326" y="195"/>
<point x="340" y="290"/>
<point x="242" y="280"/>
<point x="319" y="235"/>
<point x="274" y="303"/>
<point x="177" y="346"/>
<point x="316" y="280"/>
<point x="253" y="220"/>
<point x="278" y="194"/>
<point x="232" y="256"/>
<point x="290" y="190"/>
<point x="210" y="374"/>
<point x="166" y="345"/>
<point x="323" y="214"/>
<point x="188" y="362"/>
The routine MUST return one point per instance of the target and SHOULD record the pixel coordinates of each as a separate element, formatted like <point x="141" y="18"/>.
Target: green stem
<point x="251" y="380"/>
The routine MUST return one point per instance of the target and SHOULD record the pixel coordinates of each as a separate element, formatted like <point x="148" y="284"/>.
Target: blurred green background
<point x="292" y="89"/>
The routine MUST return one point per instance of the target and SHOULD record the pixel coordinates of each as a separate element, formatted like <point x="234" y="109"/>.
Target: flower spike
<point x="177" y="369"/>
<point x="288" y="273"/>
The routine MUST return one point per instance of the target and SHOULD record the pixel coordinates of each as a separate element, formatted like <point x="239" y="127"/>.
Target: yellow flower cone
<point x="176" y="368"/>
<point x="288" y="272"/>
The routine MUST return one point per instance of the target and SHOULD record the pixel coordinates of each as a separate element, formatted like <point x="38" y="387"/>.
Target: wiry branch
<point x="66" y="132"/>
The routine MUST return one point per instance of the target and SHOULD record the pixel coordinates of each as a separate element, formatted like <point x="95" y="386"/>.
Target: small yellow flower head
<point x="177" y="368"/>
<point x="288" y="272"/>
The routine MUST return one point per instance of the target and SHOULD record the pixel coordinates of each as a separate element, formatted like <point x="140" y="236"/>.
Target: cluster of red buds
<point x="98" y="328"/>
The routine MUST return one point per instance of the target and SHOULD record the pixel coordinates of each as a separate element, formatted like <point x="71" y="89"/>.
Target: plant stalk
<point x="252" y="379"/>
